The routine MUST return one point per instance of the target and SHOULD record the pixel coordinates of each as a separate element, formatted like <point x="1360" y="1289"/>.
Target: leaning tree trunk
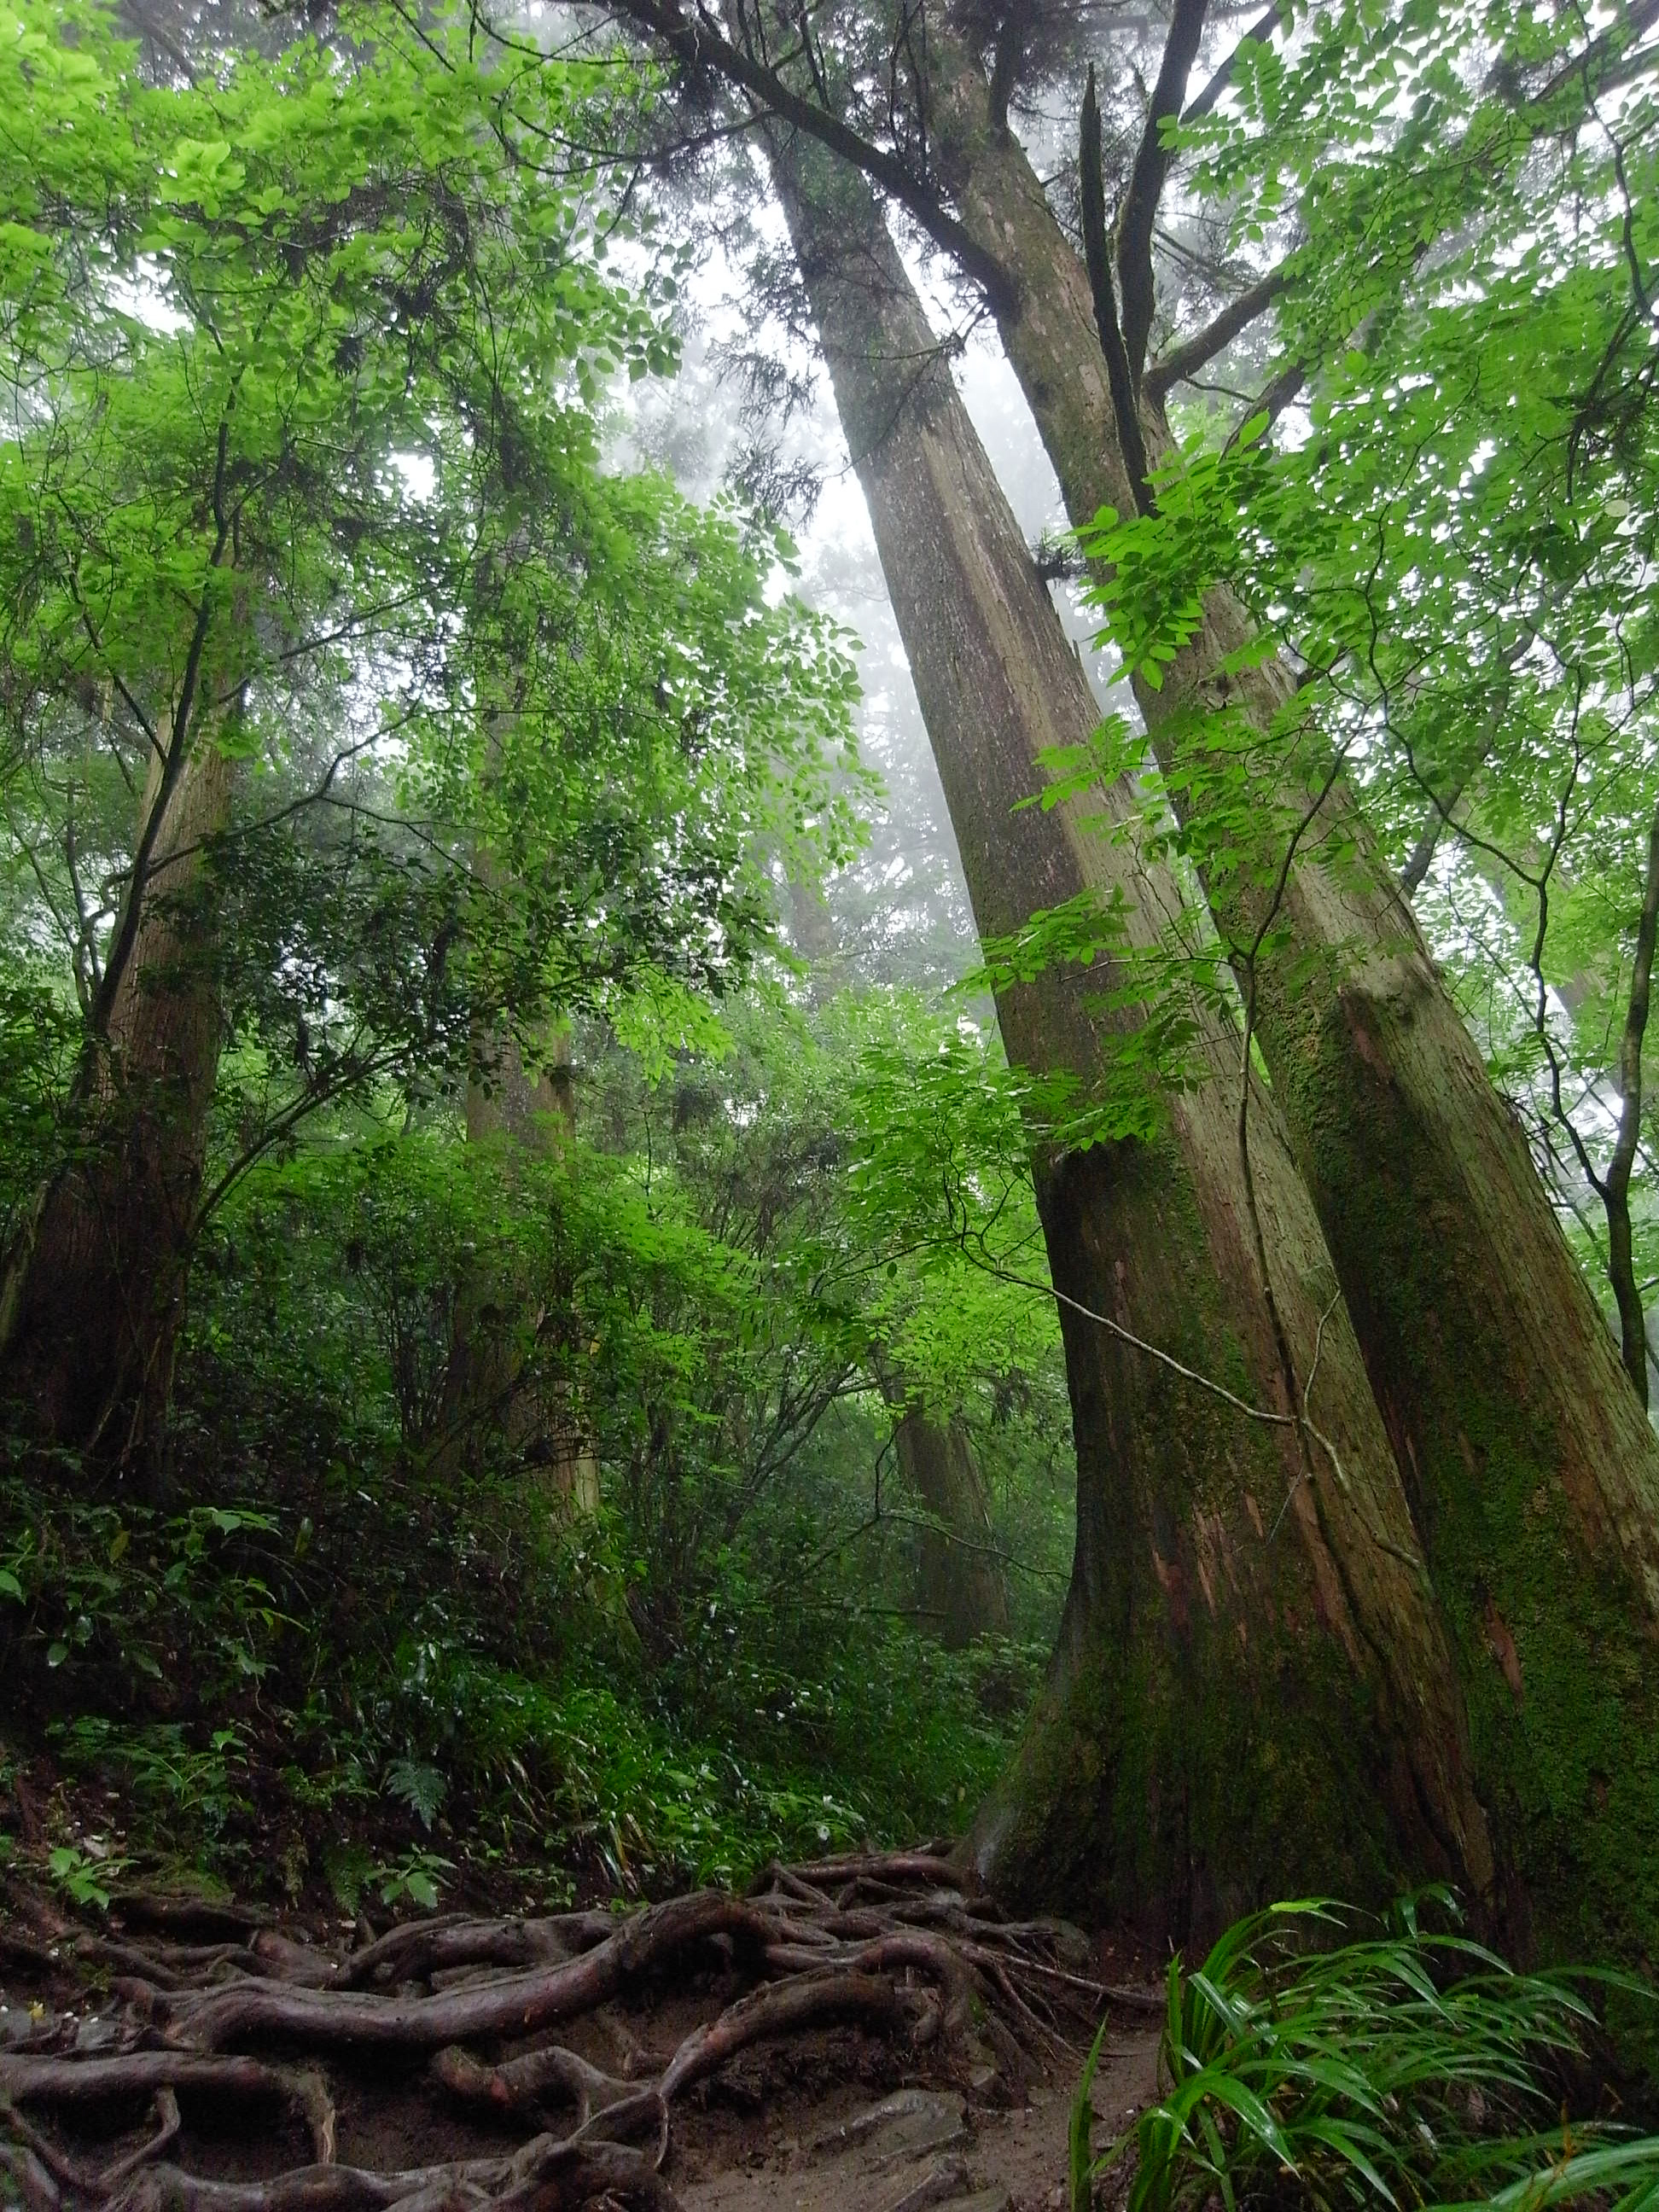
<point x="1533" y="1473"/>
<point x="1251" y="1690"/>
<point x="95" y="1299"/>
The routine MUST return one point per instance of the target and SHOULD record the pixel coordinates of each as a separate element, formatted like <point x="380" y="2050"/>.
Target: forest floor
<point x="860" y="2031"/>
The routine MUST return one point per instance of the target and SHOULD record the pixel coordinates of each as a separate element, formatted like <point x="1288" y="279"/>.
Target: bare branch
<point x="1193" y="353"/>
<point x="1147" y="178"/>
<point x="1606" y="61"/>
<point x="697" y="43"/>
<point x="1261" y="30"/>
<point x="1092" y="185"/>
<point x="1275" y="396"/>
<point x="1615" y="1196"/>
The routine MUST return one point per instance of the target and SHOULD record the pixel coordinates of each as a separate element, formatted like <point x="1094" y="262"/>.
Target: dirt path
<point x="851" y="2033"/>
<point x="918" y="2148"/>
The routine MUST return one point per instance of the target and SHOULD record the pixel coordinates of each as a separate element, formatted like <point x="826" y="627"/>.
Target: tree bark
<point x="95" y="1301"/>
<point x="487" y="1393"/>
<point x="1252" y="1689"/>
<point x="960" y="1584"/>
<point x="1534" y="1475"/>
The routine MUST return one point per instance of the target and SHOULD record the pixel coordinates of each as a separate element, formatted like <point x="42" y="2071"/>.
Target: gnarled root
<point x="478" y="2012"/>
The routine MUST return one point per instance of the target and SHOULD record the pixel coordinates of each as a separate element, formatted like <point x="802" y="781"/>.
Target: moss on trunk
<point x="1534" y="1476"/>
<point x="96" y="1300"/>
<point x="1242" y="1607"/>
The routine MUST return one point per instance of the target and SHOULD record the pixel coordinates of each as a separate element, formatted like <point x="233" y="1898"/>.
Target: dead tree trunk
<point x="94" y="1303"/>
<point x="1534" y="1475"/>
<point x="1252" y="1687"/>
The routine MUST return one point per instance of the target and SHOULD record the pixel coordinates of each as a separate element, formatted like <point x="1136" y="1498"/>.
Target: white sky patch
<point x="419" y="472"/>
<point x="142" y="293"/>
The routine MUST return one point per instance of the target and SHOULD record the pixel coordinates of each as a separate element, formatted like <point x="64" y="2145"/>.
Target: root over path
<point x="457" y="2065"/>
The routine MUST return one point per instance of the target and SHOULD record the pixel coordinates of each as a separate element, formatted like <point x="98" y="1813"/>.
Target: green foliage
<point x="379" y="1633"/>
<point x="1451" y="536"/>
<point x="423" y="1789"/>
<point x="416" y="1879"/>
<point x="83" y="1880"/>
<point x="181" y="1789"/>
<point x="1080" y="2130"/>
<point x="314" y="479"/>
<point x="91" y="1580"/>
<point x="1406" y="2068"/>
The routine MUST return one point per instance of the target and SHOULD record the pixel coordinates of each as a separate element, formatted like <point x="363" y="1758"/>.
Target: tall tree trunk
<point x="94" y="1301"/>
<point x="1534" y="1475"/>
<point x="1251" y="1688"/>
<point x="812" y="926"/>
<point x="960" y="1583"/>
<point x="487" y="1393"/>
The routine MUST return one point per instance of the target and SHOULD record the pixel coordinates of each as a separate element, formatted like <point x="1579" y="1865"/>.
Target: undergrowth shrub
<point x="1410" y="2067"/>
<point x="351" y="1616"/>
<point x="316" y="1689"/>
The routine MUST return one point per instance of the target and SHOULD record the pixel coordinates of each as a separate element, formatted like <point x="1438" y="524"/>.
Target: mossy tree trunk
<point x="960" y="1583"/>
<point x="494" y="1396"/>
<point x="95" y="1296"/>
<point x="1252" y="1689"/>
<point x="1534" y="1475"/>
<point x="961" y="1587"/>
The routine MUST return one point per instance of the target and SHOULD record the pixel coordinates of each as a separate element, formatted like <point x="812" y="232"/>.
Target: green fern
<point x="423" y="1789"/>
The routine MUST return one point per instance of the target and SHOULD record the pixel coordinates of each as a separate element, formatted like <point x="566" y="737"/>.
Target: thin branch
<point x="698" y="44"/>
<point x="1146" y="179"/>
<point x="1441" y="809"/>
<point x="126" y="937"/>
<point x="1154" y="1352"/>
<point x="931" y="1525"/>
<point x="1258" y="33"/>
<point x="1421" y="856"/>
<point x="1616" y="47"/>
<point x="1193" y="354"/>
<point x="1615" y="1196"/>
<point x="1273" y="399"/>
<point x="1275" y="1318"/>
<point x="1119" y="375"/>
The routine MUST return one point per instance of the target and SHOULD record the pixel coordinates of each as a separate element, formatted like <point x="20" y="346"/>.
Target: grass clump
<point x="1410" y="2067"/>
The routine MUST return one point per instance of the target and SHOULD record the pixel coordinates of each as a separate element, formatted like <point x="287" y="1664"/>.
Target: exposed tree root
<point x="470" y="2011"/>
